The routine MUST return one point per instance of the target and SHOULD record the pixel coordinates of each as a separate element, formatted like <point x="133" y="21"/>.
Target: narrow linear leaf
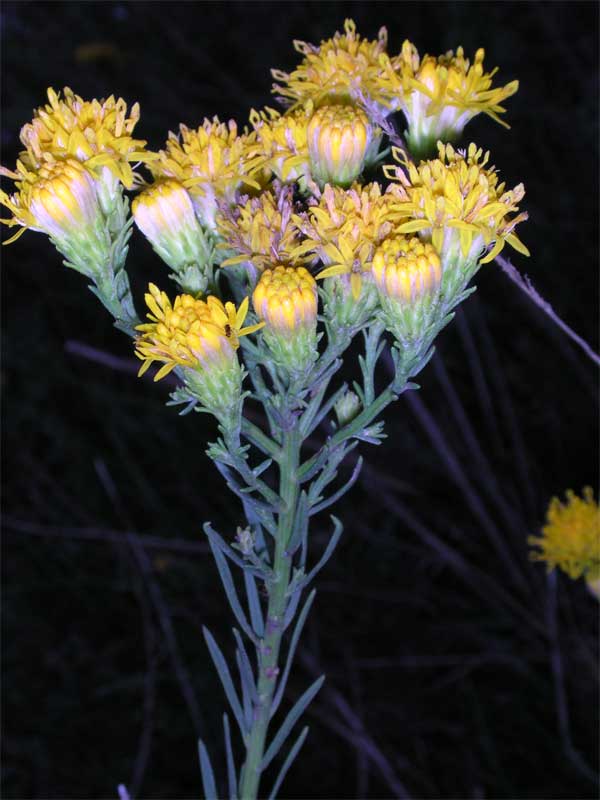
<point x="225" y="676"/>
<point x="292" y="606"/>
<point x="290" y="721"/>
<point x="256" y="614"/>
<point x="230" y="591"/>
<point x="300" y="524"/>
<point x="208" y="776"/>
<point x="335" y="537"/>
<point x="231" y="781"/>
<point x="341" y="491"/>
<point x="291" y="651"/>
<point x="249" y="674"/>
<point x="247" y="706"/>
<point x="291" y="757"/>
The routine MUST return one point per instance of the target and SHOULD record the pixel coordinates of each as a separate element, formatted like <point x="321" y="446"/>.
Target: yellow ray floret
<point x="286" y="298"/>
<point x="190" y="332"/>
<point x="96" y="132"/>
<point x="458" y="192"/>
<point x="260" y="230"/>
<point x="345" y="226"/>
<point x="336" y="71"/>
<point x="571" y="536"/>
<point x="450" y="80"/>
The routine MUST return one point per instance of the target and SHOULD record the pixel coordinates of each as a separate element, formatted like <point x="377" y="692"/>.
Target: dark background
<point x="455" y="667"/>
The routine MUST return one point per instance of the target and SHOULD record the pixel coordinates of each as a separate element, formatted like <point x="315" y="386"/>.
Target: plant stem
<point x="270" y="645"/>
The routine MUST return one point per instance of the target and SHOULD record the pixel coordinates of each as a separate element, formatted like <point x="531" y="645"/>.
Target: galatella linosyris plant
<point x="286" y="239"/>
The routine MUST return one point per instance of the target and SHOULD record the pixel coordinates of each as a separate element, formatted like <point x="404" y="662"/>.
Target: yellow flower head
<point x="336" y="71"/>
<point x="439" y="96"/>
<point x="60" y="200"/>
<point x="458" y="197"/>
<point x="260" y="230"/>
<point x="286" y="298"/>
<point x="212" y="162"/>
<point x="406" y="269"/>
<point x="96" y="132"/>
<point x="282" y="143"/>
<point x="344" y="228"/>
<point x="571" y="536"/>
<point x="190" y="333"/>
<point x="165" y="214"/>
<point x="340" y="140"/>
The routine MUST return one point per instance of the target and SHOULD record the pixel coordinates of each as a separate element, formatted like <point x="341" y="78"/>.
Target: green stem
<point x="270" y="645"/>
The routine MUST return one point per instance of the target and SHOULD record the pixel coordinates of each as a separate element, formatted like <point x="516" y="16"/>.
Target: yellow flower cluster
<point x="335" y="71"/>
<point x="212" y="162"/>
<point x="458" y="198"/>
<point x="571" y="537"/>
<point x="260" y="230"/>
<point x="344" y="228"/>
<point x="286" y="298"/>
<point x="189" y="333"/>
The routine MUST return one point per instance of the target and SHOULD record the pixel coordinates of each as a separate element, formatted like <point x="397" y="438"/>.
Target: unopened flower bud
<point x="408" y="276"/>
<point x="286" y="299"/>
<point x="347" y="407"/>
<point x="165" y="214"/>
<point x="341" y="140"/>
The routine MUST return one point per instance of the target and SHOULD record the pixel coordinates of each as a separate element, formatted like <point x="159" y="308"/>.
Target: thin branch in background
<point x="526" y="286"/>
<point x="108" y="536"/>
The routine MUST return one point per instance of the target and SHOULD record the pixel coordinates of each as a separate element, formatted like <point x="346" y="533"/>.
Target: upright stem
<point x="270" y="645"/>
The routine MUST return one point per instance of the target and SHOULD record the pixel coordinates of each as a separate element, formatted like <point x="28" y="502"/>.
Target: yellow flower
<point x="571" y="537"/>
<point x="438" y="96"/>
<point x="406" y="269"/>
<point x="260" y="230"/>
<point x="344" y="228"/>
<point x="97" y="133"/>
<point x="340" y="142"/>
<point x="457" y="201"/>
<point x="286" y="298"/>
<point x="212" y="162"/>
<point x="190" y="333"/>
<point x="282" y="143"/>
<point x="60" y="200"/>
<point x="339" y="70"/>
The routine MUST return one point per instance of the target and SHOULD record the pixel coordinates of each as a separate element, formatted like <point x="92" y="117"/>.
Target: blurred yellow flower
<point x="571" y="537"/>
<point x="338" y="70"/>
<point x="457" y="201"/>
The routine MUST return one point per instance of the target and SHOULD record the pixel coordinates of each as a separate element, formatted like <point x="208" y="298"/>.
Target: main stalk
<point x="270" y="646"/>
